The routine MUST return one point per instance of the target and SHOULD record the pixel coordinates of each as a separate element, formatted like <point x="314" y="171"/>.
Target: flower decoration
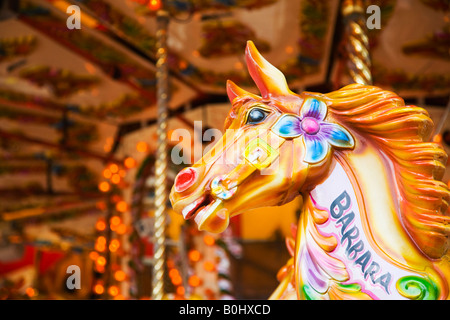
<point x="317" y="134"/>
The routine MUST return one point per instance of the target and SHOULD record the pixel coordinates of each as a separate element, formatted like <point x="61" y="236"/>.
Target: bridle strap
<point x="260" y="153"/>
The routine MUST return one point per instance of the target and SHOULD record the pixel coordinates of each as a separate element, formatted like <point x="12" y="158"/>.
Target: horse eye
<point x="256" y="116"/>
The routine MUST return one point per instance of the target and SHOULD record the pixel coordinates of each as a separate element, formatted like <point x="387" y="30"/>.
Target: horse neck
<point x="327" y="245"/>
<point x="365" y="176"/>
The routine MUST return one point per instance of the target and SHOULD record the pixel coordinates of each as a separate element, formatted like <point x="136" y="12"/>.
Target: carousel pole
<point x="356" y="41"/>
<point x="161" y="164"/>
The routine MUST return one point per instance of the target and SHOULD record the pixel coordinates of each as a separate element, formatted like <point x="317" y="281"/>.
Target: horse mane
<point x="402" y="132"/>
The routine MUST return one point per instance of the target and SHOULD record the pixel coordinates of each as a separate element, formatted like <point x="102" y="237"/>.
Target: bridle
<point x="259" y="154"/>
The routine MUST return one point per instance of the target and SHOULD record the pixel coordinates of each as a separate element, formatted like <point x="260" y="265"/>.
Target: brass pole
<point x="356" y="41"/>
<point x="161" y="164"/>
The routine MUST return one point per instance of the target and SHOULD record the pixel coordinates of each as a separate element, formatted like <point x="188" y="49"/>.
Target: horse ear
<point x="234" y="91"/>
<point x="269" y="80"/>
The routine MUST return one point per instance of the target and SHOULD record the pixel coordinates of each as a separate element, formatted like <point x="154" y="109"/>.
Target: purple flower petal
<point x="288" y="126"/>
<point x="315" y="276"/>
<point x="317" y="148"/>
<point x="336" y="135"/>
<point x="314" y="108"/>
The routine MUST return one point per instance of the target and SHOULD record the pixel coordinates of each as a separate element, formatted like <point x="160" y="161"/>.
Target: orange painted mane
<point x="401" y="133"/>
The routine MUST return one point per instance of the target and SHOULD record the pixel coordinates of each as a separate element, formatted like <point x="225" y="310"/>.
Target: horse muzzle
<point x="209" y="210"/>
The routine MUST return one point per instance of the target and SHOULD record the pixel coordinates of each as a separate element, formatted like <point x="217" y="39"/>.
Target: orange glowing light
<point x="114" y="168"/>
<point x="101" y="240"/>
<point x="209" y="266"/>
<point x="101" y="261"/>
<point x="114" y="245"/>
<point x="122" y="173"/>
<point x="194" y="255"/>
<point x="119" y="297"/>
<point x="104" y="186"/>
<point x="100" y="247"/>
<point x="181" y="291"/>
<point x="115" y="221"/>
<point x="121" y="229"/>
<point x="107" y="173"/>
<point x="113" y="291"/>
<point x="194" y="281"/>
<point x="154" y="4"/>
<point x="173" y="273"/>
<point x="182" y="65"/>
<point x="129" y="163"/>
<point x="93" y="255"/>
<point x="100" y="225"/>
<point x="99" y="289"/>
<point x="99" y="269"/>
<point x="437" y="138"/>
<point x="177" y="280"/>
<point x="209" y="240"/>
<point x="115" y="178"/>
<point x="30" y="292"/>
<point x="142" y="146"/>
<point x="119" y="275"/>
<point x="121" y="206"/>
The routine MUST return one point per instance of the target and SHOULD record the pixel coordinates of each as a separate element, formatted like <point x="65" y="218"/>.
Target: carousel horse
<point x="374" y="222"/>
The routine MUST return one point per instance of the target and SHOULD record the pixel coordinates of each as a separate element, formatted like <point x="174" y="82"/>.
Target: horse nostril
<point x="185" y="179"/>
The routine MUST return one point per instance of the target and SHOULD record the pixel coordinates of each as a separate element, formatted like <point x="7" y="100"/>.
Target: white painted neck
<point x="365" y="224"/>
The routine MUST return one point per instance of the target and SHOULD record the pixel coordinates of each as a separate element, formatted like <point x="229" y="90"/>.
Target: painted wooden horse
<point x="374" y="221"/>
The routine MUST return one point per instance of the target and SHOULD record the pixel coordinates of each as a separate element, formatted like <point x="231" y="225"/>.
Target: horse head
<point x="253" y="164"/>
<point x="374" y="210"/>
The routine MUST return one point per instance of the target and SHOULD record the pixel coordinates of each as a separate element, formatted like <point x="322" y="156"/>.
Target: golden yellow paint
<point x="263" y="223"/>
<point x="394" y="170"/>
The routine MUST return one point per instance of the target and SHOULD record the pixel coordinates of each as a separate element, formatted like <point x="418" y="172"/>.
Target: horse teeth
<point x="199" y="216"/>
<point x="187" y="211"/>
<point x="207" y="210"/>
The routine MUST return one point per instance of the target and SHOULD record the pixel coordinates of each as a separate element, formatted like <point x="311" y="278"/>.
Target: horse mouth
<point x="192" y="209"/>
<point x="208" y="213"/>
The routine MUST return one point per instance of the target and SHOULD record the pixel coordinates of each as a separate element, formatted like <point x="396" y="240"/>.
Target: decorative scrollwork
<point x="417" y="288"/>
